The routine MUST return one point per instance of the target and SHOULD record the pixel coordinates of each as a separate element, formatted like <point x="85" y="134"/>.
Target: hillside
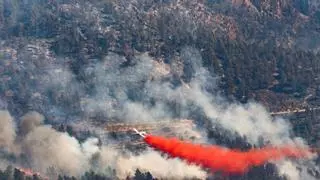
<point x="136" y="60"/>
<point x="261" y="50"/>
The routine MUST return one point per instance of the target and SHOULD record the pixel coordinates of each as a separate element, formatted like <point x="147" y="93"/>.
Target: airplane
<point x="141" y="133"/>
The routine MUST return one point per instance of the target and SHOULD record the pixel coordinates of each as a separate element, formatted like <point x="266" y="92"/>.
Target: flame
<point x="30" y="172"/>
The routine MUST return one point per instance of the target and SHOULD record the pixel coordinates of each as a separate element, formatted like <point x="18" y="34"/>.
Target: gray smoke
<point x="46" y="148"/>
<point x="30" y="121"/>
<point x="7" y="131"/>
<point x="251" y="120"/>
<point x="151" y="161"/>
<point x="148" y="91"/>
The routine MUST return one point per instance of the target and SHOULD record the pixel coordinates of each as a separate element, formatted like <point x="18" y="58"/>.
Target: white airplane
<point x="141" y="133"/>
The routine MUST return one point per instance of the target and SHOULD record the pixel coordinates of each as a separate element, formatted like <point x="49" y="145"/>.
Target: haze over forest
<point x="226" y="65"/>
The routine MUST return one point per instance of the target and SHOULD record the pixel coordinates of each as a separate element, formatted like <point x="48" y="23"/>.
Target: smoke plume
<point x="147" y="91"/>
<point x="44" y="148"/>
<point x="30" y="121"/>
<point x="163" y="168"/>
<point x="47" y="148"/>
<point x="7" y="131"/>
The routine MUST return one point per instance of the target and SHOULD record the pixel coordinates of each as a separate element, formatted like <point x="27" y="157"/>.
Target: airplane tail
<point x="141" y="133"/>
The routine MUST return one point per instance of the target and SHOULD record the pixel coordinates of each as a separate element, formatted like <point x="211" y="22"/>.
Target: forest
<point x="255" y="50"/>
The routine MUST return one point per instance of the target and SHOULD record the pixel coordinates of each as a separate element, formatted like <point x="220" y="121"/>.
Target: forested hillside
<point x="72" y="60"/>
<point x="266" y="50"/>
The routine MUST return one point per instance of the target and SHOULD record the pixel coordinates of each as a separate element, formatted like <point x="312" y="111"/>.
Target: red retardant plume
<point x="220" y="159"/>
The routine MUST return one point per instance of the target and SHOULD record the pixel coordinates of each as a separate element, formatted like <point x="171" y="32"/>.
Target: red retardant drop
<point x="220" y="159"/>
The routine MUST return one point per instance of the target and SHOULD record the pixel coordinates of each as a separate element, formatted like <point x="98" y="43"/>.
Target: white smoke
<point x="90" y="147"/>
<point x="30" y="121"/>
<point x="7" y="131"/>
<point x="47" y="148"/>
<point x="288" y="169"/>
<point x="159" y="166"/>
<point x="251" y="120"/>
<point x="141" y="93"/>
<point x="295" y="170"/>
<point x="149" y="160"/>
<point x="116" y="86"/>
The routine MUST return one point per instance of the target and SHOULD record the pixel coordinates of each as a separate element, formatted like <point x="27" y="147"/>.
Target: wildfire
<point x="30" y="172"/>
